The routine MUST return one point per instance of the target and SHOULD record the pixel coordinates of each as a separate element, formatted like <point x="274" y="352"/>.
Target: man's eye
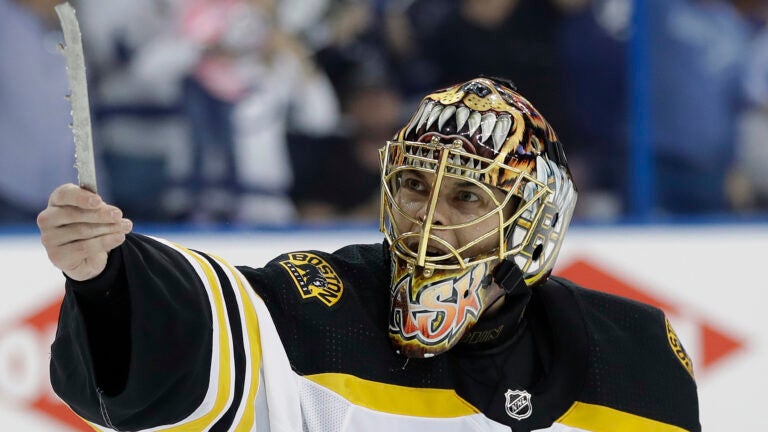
<point x="466" y="196"/>
<point x="413" y="184"/>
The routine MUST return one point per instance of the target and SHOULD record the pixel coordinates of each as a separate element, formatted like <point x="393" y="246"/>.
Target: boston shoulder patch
<point x="677" y="348"/>
<point x="314" y="277"/>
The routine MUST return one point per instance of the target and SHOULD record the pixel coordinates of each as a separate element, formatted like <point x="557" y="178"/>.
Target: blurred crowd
<point x="272" y="111"/>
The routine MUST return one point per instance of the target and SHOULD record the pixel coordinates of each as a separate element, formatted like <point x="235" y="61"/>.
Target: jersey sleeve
<point x="639" y="377"/>
<point x="166" y="338"/>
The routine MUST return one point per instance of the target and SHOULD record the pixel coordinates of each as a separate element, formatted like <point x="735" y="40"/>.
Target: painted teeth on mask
<point x="529" y="191"/>
<point x="457" y="163"/>
<point x="462" y="114"/>
<point x="500" y="131"/>
<point x="474" y="122"/>
<point x="528" y="195"/>
<point x="424" y="115"/>
<point x="541" y="166"/>
<point x="445" y="115"/>
<point x="415" y="152"/>
<point x="467" y="164"/>
<point x="555" y="173"/>
<point x="434" y="114"/>
<point x="426" y="154"/>
<point x="487" y="122"/>
<point x="435" y="117"/>
<point x="473" y="174"/>
<point x="415" y="120"/>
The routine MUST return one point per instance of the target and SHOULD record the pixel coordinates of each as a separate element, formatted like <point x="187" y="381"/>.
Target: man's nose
<point x="439" y="216"/>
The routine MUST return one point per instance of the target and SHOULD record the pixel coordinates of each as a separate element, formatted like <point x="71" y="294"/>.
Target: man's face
<point x="459" y="202"/>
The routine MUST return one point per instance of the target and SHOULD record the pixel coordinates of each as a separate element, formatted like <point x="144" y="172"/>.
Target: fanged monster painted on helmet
<point x="485" y="134"/>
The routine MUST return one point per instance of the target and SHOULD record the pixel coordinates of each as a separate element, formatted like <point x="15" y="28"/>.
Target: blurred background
<point x="227" y="122"/>
<point x="270" y="112"/>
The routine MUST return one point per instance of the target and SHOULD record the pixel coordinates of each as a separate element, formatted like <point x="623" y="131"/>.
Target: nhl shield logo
<point x="518" y="404"/>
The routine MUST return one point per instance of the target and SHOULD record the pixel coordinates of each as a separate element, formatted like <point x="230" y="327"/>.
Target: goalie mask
<point x="476" y="178"/>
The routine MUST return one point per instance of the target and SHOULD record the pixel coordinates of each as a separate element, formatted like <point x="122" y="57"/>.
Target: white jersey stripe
<point x="220" y="386"/>
<point x="280" y="381"/>
<point x="244" y="419"/>
<point x="221" y="382"/>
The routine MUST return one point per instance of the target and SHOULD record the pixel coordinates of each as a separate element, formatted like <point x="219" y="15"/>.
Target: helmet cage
<point x="452" y="161"/>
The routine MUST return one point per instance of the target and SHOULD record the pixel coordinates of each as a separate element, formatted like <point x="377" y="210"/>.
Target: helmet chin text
<point x="433" y="317"/>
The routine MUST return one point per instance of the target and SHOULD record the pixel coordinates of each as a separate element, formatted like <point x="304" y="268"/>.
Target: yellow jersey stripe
<point x="394" y="399"/>
<point x="225" y="353"/>
<point x="225" y="372"/>
<point x="254" y="343"/>
<point x="599" y="418"/>
<point x="93" y="426"/>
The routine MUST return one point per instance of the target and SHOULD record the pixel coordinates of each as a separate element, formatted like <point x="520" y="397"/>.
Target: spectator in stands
<point x="225" y="70"/>
<point x="354" y="45"/>
<point x="409" y="27"/>
<point x="290" y="95"/>
<point x="510" y="38"/>
<point x="698" y="52"/>
<point x="568" y="55"/>
<point x="748" y="185"/>
<point x="134" y="75"/>
<point x="593" y="41"/>
<point x="231" y="37"/>
<point x="33" y="83"/>
<point x="349" y="160"/>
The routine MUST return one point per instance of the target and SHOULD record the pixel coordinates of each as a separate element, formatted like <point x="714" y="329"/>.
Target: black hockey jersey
<point x="169" y="339"/>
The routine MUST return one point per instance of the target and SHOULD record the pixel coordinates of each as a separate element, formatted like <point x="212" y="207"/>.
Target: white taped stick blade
<point x="78" y="97"/>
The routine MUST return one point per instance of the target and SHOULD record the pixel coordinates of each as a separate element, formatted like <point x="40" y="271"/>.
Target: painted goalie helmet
<point x="476" y="178"/>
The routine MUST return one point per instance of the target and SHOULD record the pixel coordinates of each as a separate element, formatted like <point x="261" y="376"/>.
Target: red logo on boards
<point x="24" y="359"/>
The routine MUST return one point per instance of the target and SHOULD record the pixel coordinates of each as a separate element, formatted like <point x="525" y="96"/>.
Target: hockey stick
<point x="78" y="98"/>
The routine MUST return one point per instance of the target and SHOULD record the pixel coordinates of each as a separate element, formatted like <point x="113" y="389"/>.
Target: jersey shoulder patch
<point x="678" y="349"/>
<point x="313" y="277"/>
